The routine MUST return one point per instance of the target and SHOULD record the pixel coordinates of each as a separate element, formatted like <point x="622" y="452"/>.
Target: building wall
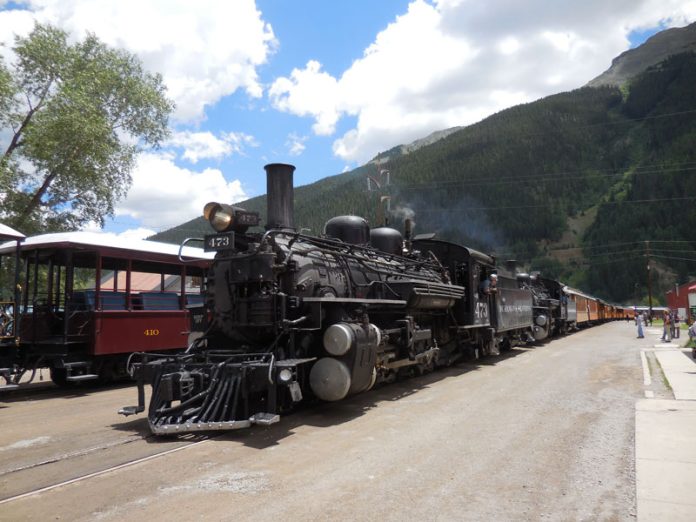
<point x="683" y="300"/>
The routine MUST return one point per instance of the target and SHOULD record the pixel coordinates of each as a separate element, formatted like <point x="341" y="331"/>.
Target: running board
<point x="9" y="387"/>
<point x="80" y="378"/>
<point x="130" y="410"/>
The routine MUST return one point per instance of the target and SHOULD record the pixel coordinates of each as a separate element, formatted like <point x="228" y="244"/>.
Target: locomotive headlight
<point x="220" y="216"/>
<point x="285" y="376"/>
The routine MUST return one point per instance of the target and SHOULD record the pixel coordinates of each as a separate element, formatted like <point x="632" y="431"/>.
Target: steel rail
<point x="95" y="474"/>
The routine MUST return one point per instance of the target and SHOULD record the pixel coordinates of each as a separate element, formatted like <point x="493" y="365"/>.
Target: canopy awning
<point x="10" y="233"/>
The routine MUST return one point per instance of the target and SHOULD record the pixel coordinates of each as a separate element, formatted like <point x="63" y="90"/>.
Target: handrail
<point x="181" y="248"/>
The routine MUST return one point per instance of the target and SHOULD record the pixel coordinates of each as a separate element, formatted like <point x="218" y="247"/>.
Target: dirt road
<point x="544" y="433"/>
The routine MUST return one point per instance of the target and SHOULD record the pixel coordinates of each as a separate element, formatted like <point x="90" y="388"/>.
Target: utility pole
<point x="647" y="256"/>
<point x="381" y="182"/>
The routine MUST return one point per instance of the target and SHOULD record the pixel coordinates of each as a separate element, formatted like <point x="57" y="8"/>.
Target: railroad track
<point x="67" y="456"/>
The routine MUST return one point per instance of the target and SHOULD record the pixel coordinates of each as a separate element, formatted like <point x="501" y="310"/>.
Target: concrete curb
<point x="666" y="444"/>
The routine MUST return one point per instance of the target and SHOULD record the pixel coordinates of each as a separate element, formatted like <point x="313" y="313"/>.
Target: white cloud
<point x="136" y="233"/>
<point x="205" y="50"/>
<point x="317" y="96"/>
<point x="454" y="62"/>
<point x="509" y="45"/>
<point x="11" y="23"/>
<point x="205" y="145"/>
<point x="132" y="233"/>
<point x="164" y="195"/>
<point x="295" y="144"/>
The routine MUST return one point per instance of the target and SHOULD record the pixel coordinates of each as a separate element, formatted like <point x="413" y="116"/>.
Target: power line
<point x="538" y="178"/>
<point x="620" y="260"/>
<point x="500" y="136"/>
<point x="589" y="247"/>
<point x="660" y="200"/>
<point x="662" y="250"/>
<point x="597" y="246"/>
<point x="673" y="257"/>
<point x="634" y="251"/>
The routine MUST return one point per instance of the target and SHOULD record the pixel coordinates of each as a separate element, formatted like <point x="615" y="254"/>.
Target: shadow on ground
<point x="323" y="414"/>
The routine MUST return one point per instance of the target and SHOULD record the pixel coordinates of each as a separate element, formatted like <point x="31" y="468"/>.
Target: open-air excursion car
<point x="82" y="303"/>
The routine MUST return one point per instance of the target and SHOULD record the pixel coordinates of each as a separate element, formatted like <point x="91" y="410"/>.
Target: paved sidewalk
<point x="666" y="443"/>
<point x="680" y="371"/>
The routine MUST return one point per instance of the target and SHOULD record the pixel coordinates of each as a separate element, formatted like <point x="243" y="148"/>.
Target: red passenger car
<point x="90" y="300"/>
<point x="9" y="297"/>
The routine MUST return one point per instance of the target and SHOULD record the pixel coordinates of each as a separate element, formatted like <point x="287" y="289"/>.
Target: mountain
<point x="656" y="49"/>
<point x="572" y="184"/>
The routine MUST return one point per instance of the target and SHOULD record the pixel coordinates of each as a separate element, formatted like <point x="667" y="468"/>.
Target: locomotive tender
<point x="294" y="317"/>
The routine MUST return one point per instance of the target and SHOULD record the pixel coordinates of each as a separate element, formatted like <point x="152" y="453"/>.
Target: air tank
<point x="350" y="369"/>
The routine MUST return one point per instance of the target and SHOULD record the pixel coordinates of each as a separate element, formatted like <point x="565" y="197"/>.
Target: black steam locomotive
<point x="293" y="317"/>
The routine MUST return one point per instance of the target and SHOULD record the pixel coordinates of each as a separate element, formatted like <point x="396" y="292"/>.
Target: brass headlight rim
<point x="212" y="209"/>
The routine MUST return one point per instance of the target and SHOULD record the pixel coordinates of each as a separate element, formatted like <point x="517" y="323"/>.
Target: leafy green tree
<point x="76" y="115"/>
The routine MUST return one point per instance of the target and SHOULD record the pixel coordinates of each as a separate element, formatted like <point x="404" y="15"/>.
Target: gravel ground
<point x="545" y="433"/>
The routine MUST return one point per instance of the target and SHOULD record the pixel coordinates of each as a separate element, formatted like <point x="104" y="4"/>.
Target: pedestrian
<point x="692" y="331"/>
<point x="677" y="321"/>
<point x="639" y="323"/>
<point x="666" y="327"/>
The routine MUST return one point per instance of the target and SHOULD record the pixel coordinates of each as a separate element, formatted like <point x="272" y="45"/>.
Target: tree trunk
<point x="32" y="110"/>
<point x="36" y="198"/>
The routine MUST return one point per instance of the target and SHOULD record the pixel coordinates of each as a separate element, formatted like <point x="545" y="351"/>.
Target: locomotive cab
<point x="468" y="268"/>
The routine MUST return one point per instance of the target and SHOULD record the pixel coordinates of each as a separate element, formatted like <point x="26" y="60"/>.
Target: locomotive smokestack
<point x="408" y="233"/>
<point x="279" y="196"/>
<point x="511" y="265"/>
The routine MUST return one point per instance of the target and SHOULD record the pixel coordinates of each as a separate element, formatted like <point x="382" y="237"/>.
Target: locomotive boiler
<point x="294" y="317"/>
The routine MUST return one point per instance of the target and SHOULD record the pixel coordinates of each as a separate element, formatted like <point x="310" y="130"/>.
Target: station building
<point x="683" y="299"/>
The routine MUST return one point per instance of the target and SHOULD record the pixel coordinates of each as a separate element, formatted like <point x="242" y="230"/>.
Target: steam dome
<point x="349" y="229"/>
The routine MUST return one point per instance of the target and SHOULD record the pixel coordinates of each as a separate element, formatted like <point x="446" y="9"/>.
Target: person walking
<point x="639" y="323"/>
<point x="677" y="321"/>
<point x="666" y="327"/>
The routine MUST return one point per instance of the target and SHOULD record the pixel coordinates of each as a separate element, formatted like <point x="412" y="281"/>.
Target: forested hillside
<point x="513" y="183"/>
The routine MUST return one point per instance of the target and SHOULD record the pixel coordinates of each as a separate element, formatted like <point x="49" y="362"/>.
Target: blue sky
<point x="327" y="85"/>
<point x="306" y="30"/>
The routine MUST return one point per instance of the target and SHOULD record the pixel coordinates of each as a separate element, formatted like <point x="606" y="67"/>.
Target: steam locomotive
<point x="294" y="317"/>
